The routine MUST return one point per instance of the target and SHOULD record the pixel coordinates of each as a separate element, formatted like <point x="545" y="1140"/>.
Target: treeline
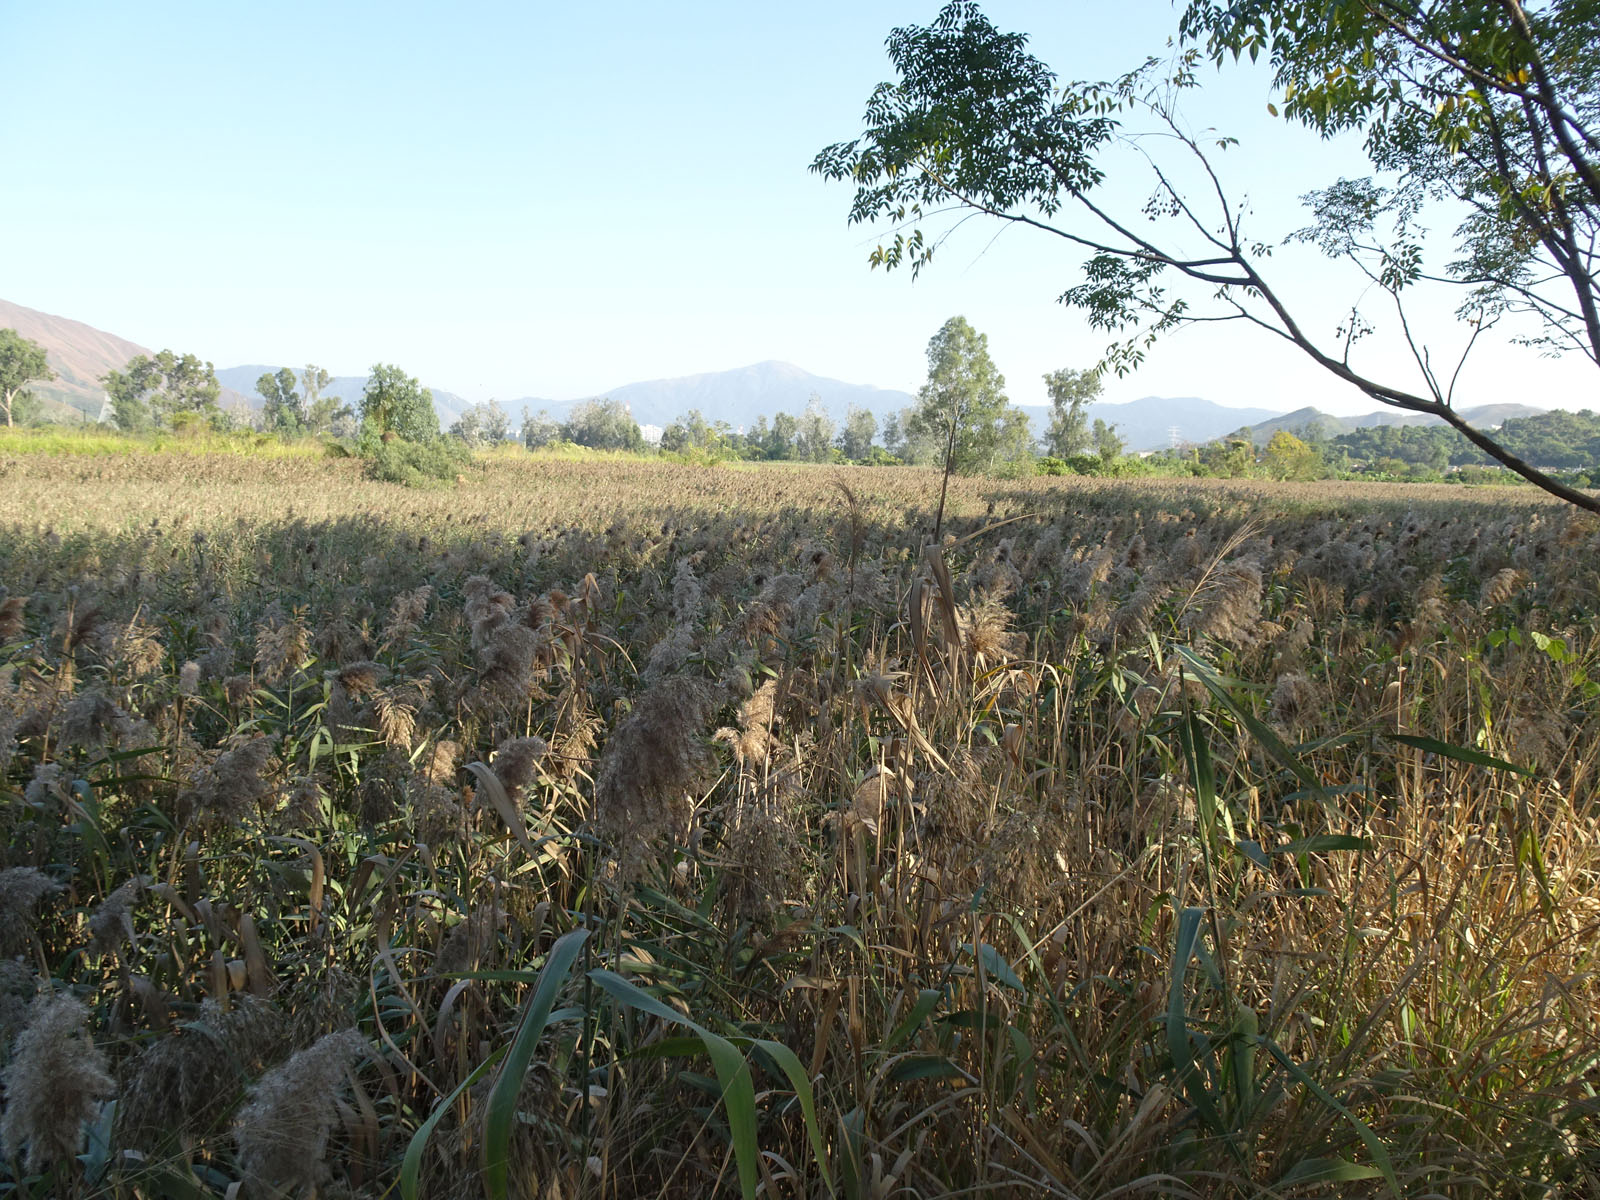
<point x="961" y="412"/>
<point x="1564" y="443"/>
<point x="1555" y="440"/>
<point x="813" y="436"/>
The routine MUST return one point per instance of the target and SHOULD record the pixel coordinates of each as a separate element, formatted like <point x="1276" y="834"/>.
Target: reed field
<point x="620" y="829"/>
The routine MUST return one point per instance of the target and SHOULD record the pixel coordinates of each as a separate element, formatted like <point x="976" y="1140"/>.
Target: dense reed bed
<point x="621" y="829"/>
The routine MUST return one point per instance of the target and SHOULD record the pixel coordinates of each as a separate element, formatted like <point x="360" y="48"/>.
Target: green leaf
<point x="733" y="1073"/>
<point x="1198" y="753"/>
<point x="411" y="1167"/>
<point x="1325" y="1170"/>
<point x="927" y="1001"/>
<point x="502" y="1105"/>
<point x="1185" y="1071"/>
<point x="925" y="1066"/>
<point x="1461" y="754"/>
<point x="996" y="965"/>
<point x="1257" y="728"/>
<point x="1320" y="843"/>
<point x="789" y="1063"/>
<point x="1374" y="1144"/>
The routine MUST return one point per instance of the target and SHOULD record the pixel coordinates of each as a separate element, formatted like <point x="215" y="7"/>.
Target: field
<point x="616" y="828"/>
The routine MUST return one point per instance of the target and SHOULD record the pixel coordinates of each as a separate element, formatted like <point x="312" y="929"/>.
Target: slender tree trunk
<point x="949" y="459"/>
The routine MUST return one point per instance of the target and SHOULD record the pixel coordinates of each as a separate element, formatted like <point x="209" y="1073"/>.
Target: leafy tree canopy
<point x="1287" y="457"/>
<point x="814" y="431"/>
<point x="394" y="402"/>
<point x="539" y="429"/>
<point x="603" y="425"/>
<point x="1481" y="103"/>
<point x="154" y="391"/>
<point x="282" y="409"/>
<point x="485" y="424"/>
<point x="855" y="439"/>
<point x="1070" y="394"/>
<point x="963" y="404"/>
<point x="323" y="414"/>
<point x="21" y="362"/>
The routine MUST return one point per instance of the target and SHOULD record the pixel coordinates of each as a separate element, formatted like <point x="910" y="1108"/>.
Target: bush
<point x="414" y="464"/>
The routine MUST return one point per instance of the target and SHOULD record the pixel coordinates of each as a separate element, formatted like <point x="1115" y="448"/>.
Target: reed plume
<point x="53" y="1083"/>
<point x="282" y="1131"/>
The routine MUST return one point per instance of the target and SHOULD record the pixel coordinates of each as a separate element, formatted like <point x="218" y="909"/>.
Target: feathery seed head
<point x="55" y="1077"/>
<point x="282" y="1131"/>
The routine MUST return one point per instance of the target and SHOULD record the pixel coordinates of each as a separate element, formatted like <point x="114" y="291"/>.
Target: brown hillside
<point x="79" y="354"/>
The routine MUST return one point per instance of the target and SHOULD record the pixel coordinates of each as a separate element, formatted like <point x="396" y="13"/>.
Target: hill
<point x="1150" y="423"/>
<point x="1303" y="420"/>
<point x="737" y="396"/>
<point x="79" y="354"/>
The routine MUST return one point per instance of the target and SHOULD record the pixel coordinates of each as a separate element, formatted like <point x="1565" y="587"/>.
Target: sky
<point x="525" y="199"/>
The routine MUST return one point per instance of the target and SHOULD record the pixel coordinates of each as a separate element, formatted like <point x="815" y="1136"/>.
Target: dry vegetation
<point x="614" y="830"/>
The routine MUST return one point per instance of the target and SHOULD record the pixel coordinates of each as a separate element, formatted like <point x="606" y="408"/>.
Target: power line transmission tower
<point x="1174" y="432"/>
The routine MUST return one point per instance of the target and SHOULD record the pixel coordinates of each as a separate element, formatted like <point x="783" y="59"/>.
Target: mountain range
<point x="80" y="354"/>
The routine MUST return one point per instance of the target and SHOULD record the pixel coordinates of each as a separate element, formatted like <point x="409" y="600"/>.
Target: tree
<point x="482" y="425"/>
<point x="1481" y="104"/>
<point x="154" y="391"/>
<point x="539" y="430"/>
<point x="894" y="440"/>
<point x="1107" y="442"/>
<point x="1231" y="457"/>
<point x="814" y="434"/>
<point x="394" y="402"/>
<point x="963" y="406"/>
<point x="281" y="407"/>
<point x="496" y="422"/>
<point x="1070" y="393"/>
<point x="756" y="438"/>
<point x="690" y="432"/>
<point x="1287" y="457"/>
<point x="781" y="441"/>
<point x="855" y="439"/>
<point x="21" y="362"/>
<point x="323" y="414"/>
<point x="603" y="425"/>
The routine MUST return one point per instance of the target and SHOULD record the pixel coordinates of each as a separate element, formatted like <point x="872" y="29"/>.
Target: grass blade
<point x="411" y="1166"/>
<point x="1460" y="753"/>
<point x="508" y="1086"/>
<point x="1185" y="1069"/>
<point x="1258" y="729"/>
<point x="1375" y="1147"/>
<point x="789" y="1062"/>
<point x="733" y="1074"/>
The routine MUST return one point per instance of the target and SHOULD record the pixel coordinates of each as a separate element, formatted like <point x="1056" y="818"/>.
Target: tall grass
<point x="98" y="441"/>
<point x="610" y="829"/>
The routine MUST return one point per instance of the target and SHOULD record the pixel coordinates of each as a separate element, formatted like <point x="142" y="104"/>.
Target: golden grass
<point x="1081" y="855"/>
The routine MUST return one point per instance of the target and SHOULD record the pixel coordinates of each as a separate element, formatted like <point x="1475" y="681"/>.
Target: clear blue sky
<point x="517" y="199"/>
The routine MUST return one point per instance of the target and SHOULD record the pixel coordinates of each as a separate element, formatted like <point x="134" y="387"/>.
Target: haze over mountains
<point x="80" y="354"/>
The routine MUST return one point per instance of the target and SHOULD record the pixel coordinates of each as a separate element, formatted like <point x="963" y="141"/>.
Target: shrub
<point x="414" y="464"/>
